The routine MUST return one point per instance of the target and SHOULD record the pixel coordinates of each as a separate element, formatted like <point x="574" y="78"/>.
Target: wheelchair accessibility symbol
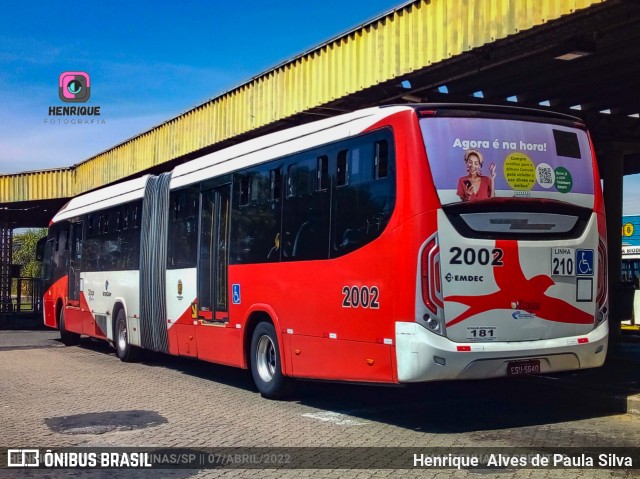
<point x="235" y="293"/>
<point x="584" y="262"/>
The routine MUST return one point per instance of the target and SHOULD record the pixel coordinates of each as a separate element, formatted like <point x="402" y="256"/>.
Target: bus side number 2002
<point x="360" y="297"/>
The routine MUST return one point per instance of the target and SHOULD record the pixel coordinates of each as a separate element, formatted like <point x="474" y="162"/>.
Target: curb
<point x="633" y="405"/>
<point x="22" y="324"/>
<point x="609" y="397"/>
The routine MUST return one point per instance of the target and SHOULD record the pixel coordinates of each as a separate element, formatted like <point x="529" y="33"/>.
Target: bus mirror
<point x="40" y="248"/>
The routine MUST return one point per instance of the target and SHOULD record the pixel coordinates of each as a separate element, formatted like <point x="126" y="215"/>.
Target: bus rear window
<point x="475" y="159"/>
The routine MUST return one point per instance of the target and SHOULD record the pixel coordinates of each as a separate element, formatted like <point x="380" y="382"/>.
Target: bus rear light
<point x="601" y="295"/>
<point x="426" y="113"/>
<point x="463" y="349"/>
<point x="432" y="316"/>
<point x="436" y="283"/>
<point x="430" y="272"/>
<point x="583" y="340"/>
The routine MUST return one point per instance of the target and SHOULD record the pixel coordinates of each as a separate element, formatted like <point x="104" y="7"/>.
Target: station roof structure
<point x="575" y="56"/>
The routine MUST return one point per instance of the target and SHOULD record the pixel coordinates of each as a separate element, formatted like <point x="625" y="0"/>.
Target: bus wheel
<point x="266" y="365"/>
<point x="125" y="351"/>
<point x="67" y="337"/>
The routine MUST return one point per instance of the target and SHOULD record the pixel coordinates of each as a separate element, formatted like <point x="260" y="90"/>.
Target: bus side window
<point x="364" y="194"/>
<point x="243" y="190"/>
<point x="275" y="184"/>
<point x="256" y="215"/>
<point x="342" y="174"/>
<point x="182" y="247"/>
<point x="306" y="209"/>
<point x="292" y="180"/>
<point x="323" y="173"/>
<point x="47" y="260"/>
<point x="381" y="160"/>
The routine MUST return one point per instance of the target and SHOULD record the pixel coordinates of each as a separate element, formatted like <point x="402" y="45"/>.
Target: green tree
<point x="24" y="251"/>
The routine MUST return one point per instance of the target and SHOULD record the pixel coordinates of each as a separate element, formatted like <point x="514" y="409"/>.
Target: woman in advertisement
<point x="475" y="186"/>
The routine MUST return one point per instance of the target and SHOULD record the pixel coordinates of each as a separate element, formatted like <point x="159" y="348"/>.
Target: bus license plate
<point x="520" y="368"/>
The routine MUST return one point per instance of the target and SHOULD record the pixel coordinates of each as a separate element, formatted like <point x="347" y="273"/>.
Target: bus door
<point x="75" y="285"/>
<point x="72" y="314"/>
<point x="44" y="253"/>
<point x="213" y="257"/>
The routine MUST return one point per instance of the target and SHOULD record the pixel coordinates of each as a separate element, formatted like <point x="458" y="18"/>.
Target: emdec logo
<point x="74" y="87"/>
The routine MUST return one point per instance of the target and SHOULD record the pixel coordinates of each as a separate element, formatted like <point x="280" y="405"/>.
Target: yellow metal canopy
<point x="412" y="37"/>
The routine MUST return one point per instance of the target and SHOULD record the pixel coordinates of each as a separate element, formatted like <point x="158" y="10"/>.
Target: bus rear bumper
<point x="425" y="356"/>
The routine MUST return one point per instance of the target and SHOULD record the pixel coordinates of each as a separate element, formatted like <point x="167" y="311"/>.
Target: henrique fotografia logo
<point x="74" y="87"/>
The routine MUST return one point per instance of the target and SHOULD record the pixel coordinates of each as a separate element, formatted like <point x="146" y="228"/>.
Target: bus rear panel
<point x="513" y="279"/>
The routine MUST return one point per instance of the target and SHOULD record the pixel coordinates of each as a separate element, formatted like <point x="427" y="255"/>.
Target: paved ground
<point x="54" y="397"/>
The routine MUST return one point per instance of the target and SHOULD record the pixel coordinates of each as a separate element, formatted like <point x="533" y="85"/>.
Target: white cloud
<point x="35" y="145"/>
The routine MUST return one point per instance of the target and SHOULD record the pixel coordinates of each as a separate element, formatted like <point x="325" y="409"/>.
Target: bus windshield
<point x="484" y="158"/>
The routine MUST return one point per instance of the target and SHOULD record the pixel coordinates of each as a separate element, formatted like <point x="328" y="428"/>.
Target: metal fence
<point x="26" y="296"/>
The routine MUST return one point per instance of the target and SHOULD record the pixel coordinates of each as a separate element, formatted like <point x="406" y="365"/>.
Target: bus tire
<point x="67" y="337"/>
<point x="266" y="364"/>
<point x="125" y="351"/>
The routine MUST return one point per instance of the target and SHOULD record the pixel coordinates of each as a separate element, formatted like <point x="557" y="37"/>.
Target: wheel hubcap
<point x="266" y="359"/>
<point x="122" y="336"/>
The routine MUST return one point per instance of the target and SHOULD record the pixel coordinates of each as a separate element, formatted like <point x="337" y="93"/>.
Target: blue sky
<point x="150" y="61"/>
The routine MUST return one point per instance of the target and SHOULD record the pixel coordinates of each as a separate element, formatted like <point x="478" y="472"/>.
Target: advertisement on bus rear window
<point x="475" y="159"/>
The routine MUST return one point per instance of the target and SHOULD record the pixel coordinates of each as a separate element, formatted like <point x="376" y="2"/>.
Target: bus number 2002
<point x="483" y="256"/>
<point x="360" y="297"/>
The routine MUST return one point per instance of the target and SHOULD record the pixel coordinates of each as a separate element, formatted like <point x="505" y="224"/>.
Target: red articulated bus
<point x="389" y="245"/>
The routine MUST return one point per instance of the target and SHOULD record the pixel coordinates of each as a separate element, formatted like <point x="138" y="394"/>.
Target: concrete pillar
<point x="611" y="170"/>
<point x="611" y="163"/>
<point x="6" y="246"/>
